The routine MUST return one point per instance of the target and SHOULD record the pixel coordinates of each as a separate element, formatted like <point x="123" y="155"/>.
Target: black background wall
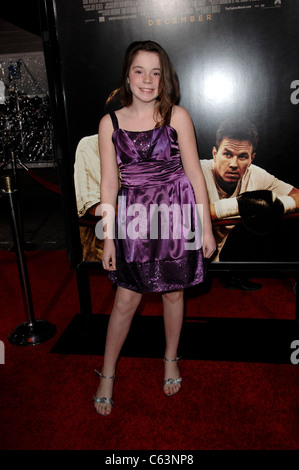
<point x="238" y="63"/>
<point x="232" y="58"/>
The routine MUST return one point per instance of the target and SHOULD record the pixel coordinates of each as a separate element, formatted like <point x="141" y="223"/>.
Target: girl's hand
<point x="108" y="258"/>
<point x="208" y="245"/>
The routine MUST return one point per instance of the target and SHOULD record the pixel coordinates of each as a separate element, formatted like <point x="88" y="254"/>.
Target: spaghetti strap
<point x="114" y="120"/>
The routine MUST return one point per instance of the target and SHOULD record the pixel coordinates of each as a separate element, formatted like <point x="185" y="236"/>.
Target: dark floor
<point x="40" y="209"/>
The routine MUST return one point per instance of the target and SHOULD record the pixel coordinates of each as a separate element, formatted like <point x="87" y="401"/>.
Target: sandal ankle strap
<point x="172" y="360"/>
<point x="104" y="376"/>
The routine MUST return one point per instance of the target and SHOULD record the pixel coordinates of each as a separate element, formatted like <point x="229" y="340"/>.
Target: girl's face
<point x="144" y="76"/>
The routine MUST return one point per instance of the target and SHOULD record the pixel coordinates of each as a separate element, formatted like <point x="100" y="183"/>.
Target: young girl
<point x="151" y="142"/>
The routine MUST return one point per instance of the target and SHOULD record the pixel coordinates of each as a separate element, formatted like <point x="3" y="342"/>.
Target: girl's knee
<point x="126" y="300"/>
<point x="173" y="297"/>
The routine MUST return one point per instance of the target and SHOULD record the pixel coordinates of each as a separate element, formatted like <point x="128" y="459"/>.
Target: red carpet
<point x="46" y="398"/>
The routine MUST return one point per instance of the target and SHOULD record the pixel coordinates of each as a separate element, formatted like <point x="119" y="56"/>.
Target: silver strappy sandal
<point x="172" y="381"/>
<point x="103" y="400"/>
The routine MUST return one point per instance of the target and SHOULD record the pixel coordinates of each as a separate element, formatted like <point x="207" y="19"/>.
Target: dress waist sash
<point x="147" y="174"/>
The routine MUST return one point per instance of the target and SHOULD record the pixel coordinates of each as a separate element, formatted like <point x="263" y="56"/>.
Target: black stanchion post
<point x="31" y="332"/>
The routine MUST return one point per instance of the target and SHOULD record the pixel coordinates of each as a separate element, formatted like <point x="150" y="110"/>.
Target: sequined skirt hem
<point x="160" y="275"/>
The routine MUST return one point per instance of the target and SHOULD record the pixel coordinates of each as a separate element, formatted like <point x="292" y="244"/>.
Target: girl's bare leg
<point x="173" y="312"/>
<point x="125" y="305"/>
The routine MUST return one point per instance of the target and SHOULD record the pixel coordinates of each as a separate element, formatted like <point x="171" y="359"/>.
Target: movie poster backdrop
<point x="234" y="59"/>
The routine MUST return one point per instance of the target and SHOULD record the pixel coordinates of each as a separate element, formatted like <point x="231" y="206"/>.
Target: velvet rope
<point x="47" y="184"/>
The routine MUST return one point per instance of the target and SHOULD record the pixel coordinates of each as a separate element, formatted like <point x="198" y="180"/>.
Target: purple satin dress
<point x="158" y="231"/>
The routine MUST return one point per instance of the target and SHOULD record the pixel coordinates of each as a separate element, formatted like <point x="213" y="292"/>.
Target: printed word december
<point x="179" y="20"/>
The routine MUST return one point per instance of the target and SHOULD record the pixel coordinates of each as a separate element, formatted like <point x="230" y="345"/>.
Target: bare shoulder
<point x="105" y="124"/>
<point x="105" y="136"/>
<point x="122" y="111"/>
<point x="181" y="119"/>
<point x="179" y="112"/>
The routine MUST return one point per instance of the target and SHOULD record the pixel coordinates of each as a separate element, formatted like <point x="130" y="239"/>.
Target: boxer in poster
<point x="240" y="189"/>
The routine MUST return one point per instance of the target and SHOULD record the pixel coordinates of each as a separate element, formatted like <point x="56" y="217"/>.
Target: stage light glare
<point x="219" y="87"/>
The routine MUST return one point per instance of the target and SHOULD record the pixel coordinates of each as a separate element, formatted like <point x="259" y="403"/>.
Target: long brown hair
<point x="169" y="86"/>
